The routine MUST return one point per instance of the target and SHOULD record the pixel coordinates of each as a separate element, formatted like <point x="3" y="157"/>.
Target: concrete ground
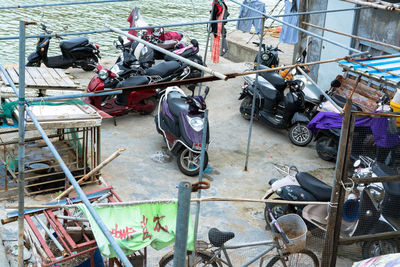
<point x="136" y="174"/>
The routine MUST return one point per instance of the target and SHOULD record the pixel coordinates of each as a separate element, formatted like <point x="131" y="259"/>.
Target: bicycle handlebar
<point x="277" y="227"/>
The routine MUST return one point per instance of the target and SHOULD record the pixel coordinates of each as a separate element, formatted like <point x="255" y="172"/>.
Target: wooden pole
<point x="113" y="204"/>
<point x="353" y="36"/>
<point x="388" y="6"/>
<point x="338" y="193"/>
<point x="92" y="172"/>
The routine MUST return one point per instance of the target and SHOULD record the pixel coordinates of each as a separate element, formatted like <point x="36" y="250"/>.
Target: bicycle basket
<point x="295" y="229"/>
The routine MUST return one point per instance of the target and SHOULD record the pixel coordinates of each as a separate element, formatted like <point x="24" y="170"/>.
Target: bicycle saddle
<point x="218" y="238"/>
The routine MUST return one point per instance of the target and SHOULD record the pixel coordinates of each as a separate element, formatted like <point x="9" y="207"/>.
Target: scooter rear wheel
<point x="189" y="162"/>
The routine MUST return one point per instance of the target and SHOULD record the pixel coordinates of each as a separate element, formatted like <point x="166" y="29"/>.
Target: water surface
<point x="81" y="18"/>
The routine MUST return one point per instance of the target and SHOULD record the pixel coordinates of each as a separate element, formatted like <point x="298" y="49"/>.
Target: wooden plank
<point x="68" y="82"/>
<point x="13" y="75"/>
<point x="35" y="74"/>
<point x="48" y="77"/>
<point x="28" y="79"/>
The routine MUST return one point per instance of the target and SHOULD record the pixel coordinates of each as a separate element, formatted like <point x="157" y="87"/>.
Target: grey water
<point x="93" y="17"/>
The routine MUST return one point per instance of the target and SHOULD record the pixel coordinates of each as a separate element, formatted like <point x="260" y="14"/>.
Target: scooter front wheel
<point x="300" y="135"/>
<point x="189" y="162"/>
<point x="277" y="210"/>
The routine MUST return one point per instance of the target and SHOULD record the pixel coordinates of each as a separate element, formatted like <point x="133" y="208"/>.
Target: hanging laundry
<point x="220" y="46"/>
<point x="290" y="35"/>
<point x="245" y="25"/>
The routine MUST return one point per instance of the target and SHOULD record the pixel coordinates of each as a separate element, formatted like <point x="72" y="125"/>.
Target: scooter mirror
<point x="121" y="40"/>
<point x="206" y="91"/>
<point x="191" y="88"/>
<point x="115" y="44"/>
<point x="357" y="163"/>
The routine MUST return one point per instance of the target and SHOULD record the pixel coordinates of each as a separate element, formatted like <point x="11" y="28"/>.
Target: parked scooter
<point x="274" y="108"/>
<point x="76" y="52"/>
<point x="361" y="214"/>
<point x="180" y="120"/>
<point x="142" y="101"/>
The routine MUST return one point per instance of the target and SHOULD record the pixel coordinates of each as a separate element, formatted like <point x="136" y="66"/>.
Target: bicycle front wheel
<point x="304" y="258"/>
<point x="200" y="261"/>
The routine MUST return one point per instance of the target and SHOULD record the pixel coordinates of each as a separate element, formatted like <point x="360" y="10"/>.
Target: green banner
<point x="137" y="226"/>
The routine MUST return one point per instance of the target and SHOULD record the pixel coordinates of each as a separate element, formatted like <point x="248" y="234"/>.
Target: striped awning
<point x="383" y="69"/>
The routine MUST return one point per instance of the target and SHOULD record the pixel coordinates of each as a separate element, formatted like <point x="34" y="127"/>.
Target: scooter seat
<point x="122" y="99"/>
<point x="218" y="238"/>
<point x="163" y="69"/>
<point x="274" y="78"/>
<point x="317" y="188"/>
<point x="74" y="42"/>
<point x="341" y="101"/>
<point x="176" y="104"/>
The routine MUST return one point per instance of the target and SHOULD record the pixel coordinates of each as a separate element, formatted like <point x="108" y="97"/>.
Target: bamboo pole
<point x="389" y="6"/>
<point x="92" y="172"/>
<point x="353" y="36"/>
<point x="113" y="204"/>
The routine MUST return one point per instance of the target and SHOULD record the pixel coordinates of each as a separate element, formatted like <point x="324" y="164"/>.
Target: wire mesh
<point x="371" y="206"/>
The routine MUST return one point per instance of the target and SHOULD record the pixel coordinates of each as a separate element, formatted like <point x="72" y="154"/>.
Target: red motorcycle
<point x="142" y="101"/>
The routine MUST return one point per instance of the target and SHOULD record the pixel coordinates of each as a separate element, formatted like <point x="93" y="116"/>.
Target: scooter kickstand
<point x="115" y="121"/>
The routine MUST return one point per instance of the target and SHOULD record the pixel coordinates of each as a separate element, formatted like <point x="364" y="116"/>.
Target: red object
<point x="171" y="36"/>
<point x="136" y="100"/>
<point x="73" y="249"/>
<point x="217" y="39"/>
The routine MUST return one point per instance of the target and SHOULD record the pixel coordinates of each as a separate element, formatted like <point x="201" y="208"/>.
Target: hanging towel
<point x="219" y="12"/>
<point x="290" y="35"/>
<point x="245" y="25"/>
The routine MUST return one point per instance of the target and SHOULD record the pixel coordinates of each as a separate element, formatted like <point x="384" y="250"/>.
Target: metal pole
<point x="254" y="97"/>
<point x="80" y="192"/>
<point x="21" y="143"/>
<point x="63" y="4"/>
<point x="182" y="222"/>
<point x="50" y="234"/>
<point x="207" y="43"/>
<point x="298" y="28"/>
<point x="164" y="51"/>
<point x="135" y="28"/>
<point x="201" y="173"/>
<point x="339" y="109"/>
<point x="319" y="12"/>
<point x="48" y="98"/>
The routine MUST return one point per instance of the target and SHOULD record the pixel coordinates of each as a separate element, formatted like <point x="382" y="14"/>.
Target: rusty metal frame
<point x="58" y="225"/>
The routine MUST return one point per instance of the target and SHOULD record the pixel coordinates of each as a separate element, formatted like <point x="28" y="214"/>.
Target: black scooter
<point x="76" y="52"/>
<point x="274" y="108"/>
<point x="362" y="212"/>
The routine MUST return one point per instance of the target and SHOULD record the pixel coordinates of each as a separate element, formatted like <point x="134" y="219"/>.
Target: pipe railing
<point x="64" y="4"/>
<point x="298" y="28"/>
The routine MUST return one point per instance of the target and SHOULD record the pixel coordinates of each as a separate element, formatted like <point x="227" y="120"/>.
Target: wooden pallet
<point x="42" y="78"/>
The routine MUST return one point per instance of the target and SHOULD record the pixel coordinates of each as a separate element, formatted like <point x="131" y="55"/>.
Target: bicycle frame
<point x="227" y="261"/>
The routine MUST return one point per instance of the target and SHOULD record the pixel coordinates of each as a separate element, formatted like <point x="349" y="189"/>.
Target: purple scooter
<point x="180" y="120"/>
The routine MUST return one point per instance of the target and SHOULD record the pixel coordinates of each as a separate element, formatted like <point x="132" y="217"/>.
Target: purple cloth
<point x="378" y="126"/>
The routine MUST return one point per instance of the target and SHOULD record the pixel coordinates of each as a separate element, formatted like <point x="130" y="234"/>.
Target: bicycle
<point x="289" y="243"/>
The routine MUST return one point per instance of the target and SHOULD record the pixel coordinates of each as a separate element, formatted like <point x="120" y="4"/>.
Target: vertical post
<point x="254" y="95"/>
<point x="201" y="173"/>
<point x="338" y="192"/>
<point x="207" y="43"/>
<point x="182" y="222"/>
<point x="21" y="143"/>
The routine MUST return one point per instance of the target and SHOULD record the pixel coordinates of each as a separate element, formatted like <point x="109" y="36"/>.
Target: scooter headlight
<point x="103" y="74"/>
<point x="196" y="123"/>
<point x="264" y="56"/>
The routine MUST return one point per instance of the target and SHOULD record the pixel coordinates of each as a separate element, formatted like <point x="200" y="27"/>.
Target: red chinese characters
<point x="126" y="233"/>
<point x="146" y="233"/>
<point x="158" y="226"/>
